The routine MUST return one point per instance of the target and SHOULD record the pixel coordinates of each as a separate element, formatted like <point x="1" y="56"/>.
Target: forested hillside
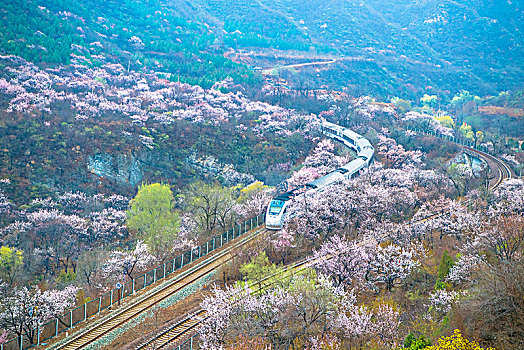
<point x="410" y="47"/>
<point x="103" y="129"/>
<point x="140" y="136"/>
<point x="415" y="46"/>
<point x="141" y="35"/>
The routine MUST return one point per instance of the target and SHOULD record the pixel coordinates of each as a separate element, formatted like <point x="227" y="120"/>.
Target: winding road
<point x="298" y="65"/>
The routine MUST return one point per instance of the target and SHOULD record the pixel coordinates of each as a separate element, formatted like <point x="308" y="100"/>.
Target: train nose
<point x="273" y="222"/>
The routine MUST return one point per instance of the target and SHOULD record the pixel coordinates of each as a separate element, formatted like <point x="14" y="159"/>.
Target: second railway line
<point x="171" y="337"/>
<point x="119" y="317"/>
<point x="173" y="334"/>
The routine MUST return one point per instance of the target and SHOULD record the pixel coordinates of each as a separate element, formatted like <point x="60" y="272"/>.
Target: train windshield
<point x="275" y="207"/>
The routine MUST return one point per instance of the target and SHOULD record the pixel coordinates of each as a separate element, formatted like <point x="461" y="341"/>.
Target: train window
<point x="347" y="138"/>
<point x="275" y="207"/>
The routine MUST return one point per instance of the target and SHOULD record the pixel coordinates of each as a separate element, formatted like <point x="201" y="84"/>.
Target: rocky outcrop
<point x="225" y="173"/>
<point x="123" y="169"/>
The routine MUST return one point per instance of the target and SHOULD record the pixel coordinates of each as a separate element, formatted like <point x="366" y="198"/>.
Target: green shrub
<point x="413" y="343"/>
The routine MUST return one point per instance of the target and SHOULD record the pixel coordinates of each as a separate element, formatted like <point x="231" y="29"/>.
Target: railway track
<point x="503" y="169"/>
<point x="181" y="329"/>
<point x="120" y="317"/>
<point x="176" y="333"/>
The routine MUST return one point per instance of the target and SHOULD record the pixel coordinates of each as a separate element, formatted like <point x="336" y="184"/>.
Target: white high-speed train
<point x="277" y="208"/>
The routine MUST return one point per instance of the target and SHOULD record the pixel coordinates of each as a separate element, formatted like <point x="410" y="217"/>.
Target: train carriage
<point x="275" y="214"/>
<point x="352" y="168"/>
<point x="326" y="180"/>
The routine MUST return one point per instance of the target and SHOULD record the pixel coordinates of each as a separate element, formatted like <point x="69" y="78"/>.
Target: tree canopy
<point x="10" y="260"/>
<point x="152" y="215"/>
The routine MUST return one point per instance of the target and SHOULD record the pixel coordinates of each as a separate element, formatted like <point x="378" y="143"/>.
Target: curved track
<point x="186" y="326"/>
<point x="120" y="317"/>
<point x="180" y="330"/>
<point x="503" y="169"/>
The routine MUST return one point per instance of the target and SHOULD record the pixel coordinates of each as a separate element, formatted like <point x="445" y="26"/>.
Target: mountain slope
<point x="451" y="45"/>
<point x="411" y="47"/>
<point x="139" y="34"/>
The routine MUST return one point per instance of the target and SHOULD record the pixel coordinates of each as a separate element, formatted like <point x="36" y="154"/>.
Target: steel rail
<point x="187" y="325"/>
<point x="174" y="332"/>
<point x="503" y="169"/>
<point x="177" y="331"/>
<point x="120" y="317"/>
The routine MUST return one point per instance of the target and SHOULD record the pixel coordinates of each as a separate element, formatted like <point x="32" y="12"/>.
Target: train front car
<point x="275" y="213"/>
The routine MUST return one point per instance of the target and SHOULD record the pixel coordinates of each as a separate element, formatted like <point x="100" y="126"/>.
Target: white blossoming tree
<point x="392" y="264"/>
<point x="24" y="309"/>
<point x="128" y="263"/>
<point x="344" y="261"/>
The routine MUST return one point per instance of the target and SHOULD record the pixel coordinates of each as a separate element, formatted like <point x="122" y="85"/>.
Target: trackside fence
<point x="190" y="344"/>
<point x="459" y="140"/>
<point x="68" y="320"/>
